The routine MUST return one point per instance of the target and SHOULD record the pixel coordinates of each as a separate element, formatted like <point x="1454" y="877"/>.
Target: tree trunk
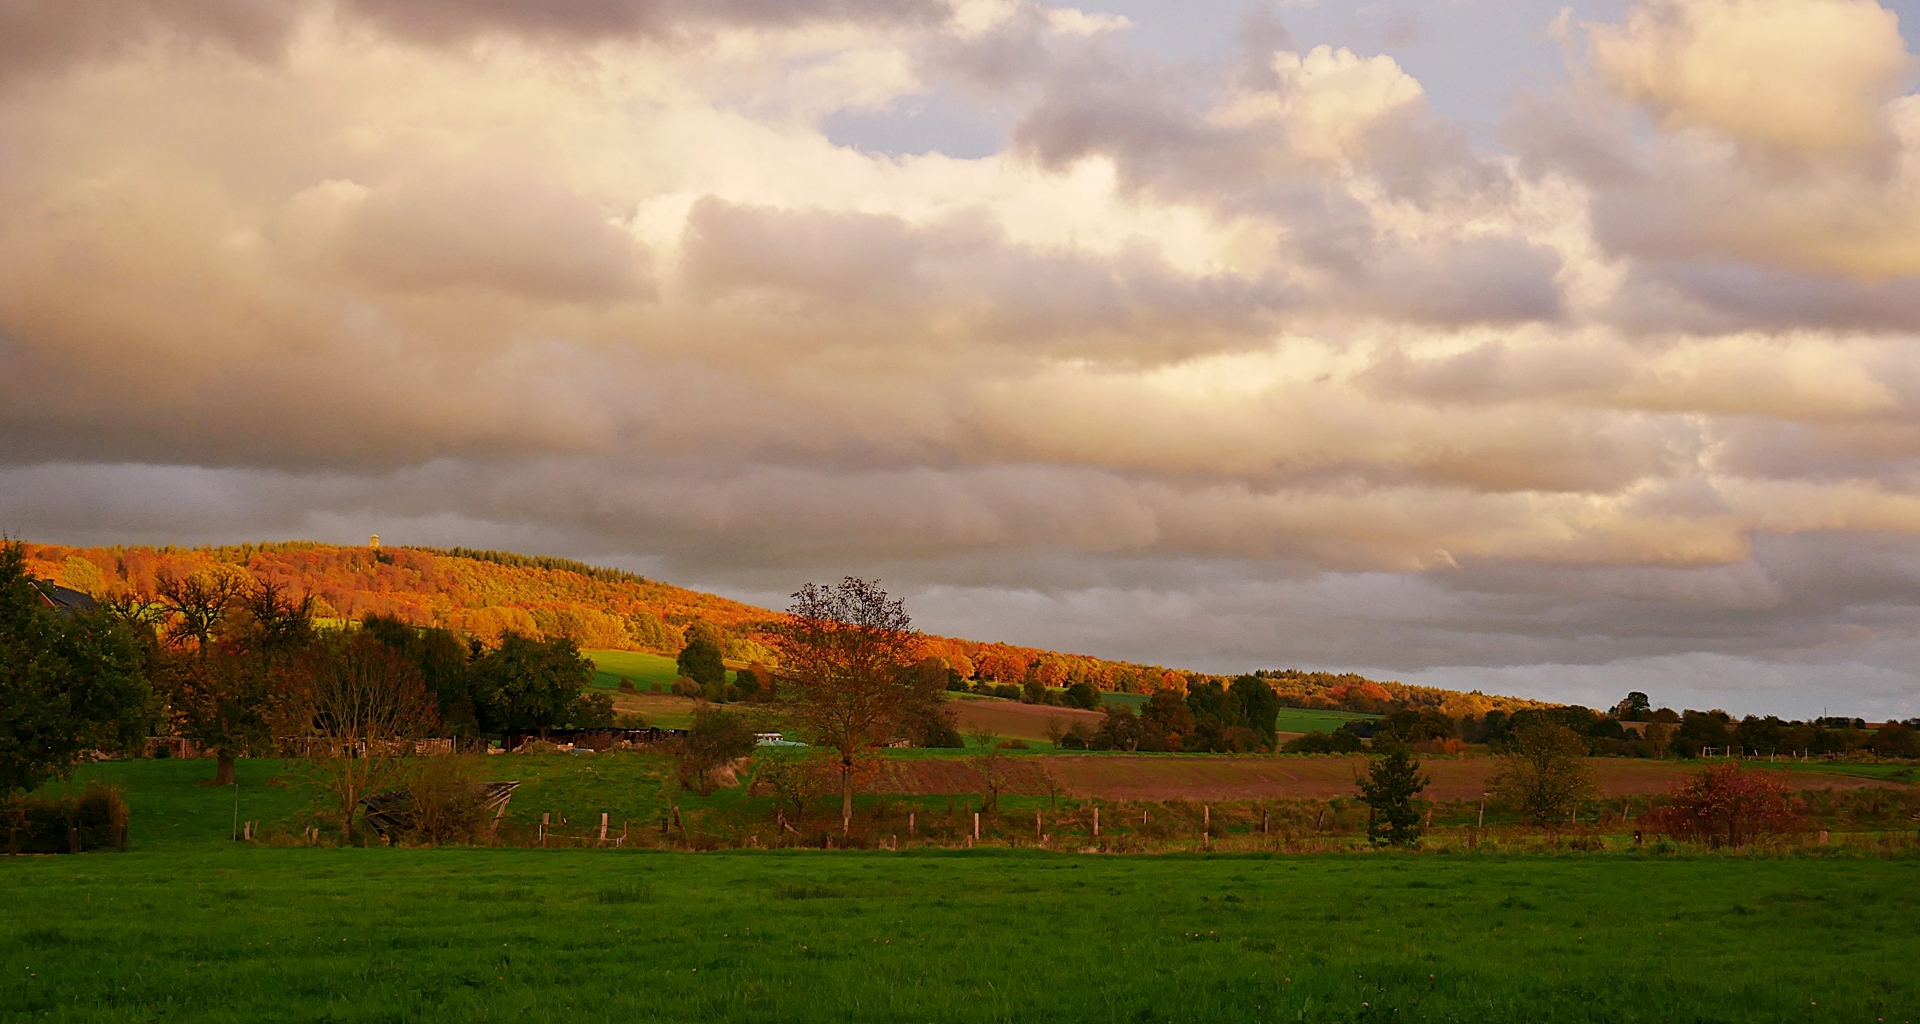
<point x="223" y="770"/>
<point x="846" y="796"/>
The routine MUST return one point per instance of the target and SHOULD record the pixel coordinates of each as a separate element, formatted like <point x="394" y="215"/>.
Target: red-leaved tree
<point x="1725" y="805"/>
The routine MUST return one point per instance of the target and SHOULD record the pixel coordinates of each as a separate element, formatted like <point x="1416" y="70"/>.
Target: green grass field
<point x="644" y="669"/>
<point x="1311" y="720"/>
<point x="190" y="925"/>
<point x="223" y="933"/>
<point x="1886" y="771"/>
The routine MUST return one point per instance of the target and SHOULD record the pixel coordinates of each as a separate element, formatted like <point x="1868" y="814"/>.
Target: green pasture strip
<point x="171" y="808"/>
<point x="169" y="805"/>
<point x="643" y="668"/>
<point x="1887" y="771"/>
<point x="456" y="935"/>
<point x="1315" y="720"/>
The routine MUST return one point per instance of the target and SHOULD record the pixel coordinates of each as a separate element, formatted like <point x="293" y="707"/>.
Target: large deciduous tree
<point x="230" y="642"/>
<point x="700" y="661"/>
<point x="1258" y="705"/>
<point x="527" y="685"/>
<point x="443" y="657"/>
<point x="68" y="684"/>
<point x="845" y="652"/>
<point x="1546" y="775"/>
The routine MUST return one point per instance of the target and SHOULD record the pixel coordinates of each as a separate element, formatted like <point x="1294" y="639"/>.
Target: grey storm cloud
<point x="1222" y="362"/>
<point x="587" y="20"/>
<point x="39" y="37"/>
<point x="42" y="37"/>
<point x="808" y="267"/>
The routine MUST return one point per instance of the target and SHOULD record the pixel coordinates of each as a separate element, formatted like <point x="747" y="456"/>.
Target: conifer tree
<point x="1392" y="782"/>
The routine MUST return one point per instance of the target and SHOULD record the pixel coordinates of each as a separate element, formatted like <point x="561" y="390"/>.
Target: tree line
<point x="237" y="665"/>
<point x="1632" y="728"/>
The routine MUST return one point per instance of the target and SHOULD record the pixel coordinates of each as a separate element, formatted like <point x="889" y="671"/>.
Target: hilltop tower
<point x="374" y="542"/>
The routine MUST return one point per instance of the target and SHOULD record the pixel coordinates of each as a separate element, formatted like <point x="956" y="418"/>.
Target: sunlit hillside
<point x="488" y="593"/>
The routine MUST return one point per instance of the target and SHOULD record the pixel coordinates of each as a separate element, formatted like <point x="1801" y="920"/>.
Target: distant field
<point x="644" y="669"/>
<point x="1014" y="720"/>
<point x="1885" y="772"/>
<point x="660" y="710"/>
<point x="1310" y="720"/>
<point x="235" y="934"/>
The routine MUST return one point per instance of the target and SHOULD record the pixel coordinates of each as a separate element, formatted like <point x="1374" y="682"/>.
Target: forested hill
<point x="488" y="593"/>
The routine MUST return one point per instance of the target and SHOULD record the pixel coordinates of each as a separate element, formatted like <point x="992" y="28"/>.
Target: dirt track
<point x="1119" y="777"/>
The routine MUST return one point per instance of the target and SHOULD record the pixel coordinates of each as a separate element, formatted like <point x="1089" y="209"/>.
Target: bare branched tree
<point x="845" y="653"/>
<point x="199" y="603"/>
<point x="358" y="706"/>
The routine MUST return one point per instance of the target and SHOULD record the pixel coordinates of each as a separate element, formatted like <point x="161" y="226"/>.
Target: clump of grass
<point x="45" y="938"/>
<point x="509" y="894"/>
<point x="791" y="891"/>
<point x="627" y="893"/>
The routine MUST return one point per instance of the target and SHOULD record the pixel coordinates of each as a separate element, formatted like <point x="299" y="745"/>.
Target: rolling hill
<point x="488" y="593"/>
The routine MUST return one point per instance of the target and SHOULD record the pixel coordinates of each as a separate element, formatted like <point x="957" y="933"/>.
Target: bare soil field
<point x="1172" y="777"/>
<point x="1012" y="719"/>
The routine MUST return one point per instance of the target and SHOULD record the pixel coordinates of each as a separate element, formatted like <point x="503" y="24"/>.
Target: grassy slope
<point x="643" y="668"/>
<point x="238" y="934"/>
<point x="1310" y="720"/>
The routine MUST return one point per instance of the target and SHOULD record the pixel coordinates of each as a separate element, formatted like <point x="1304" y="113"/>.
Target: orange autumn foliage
<point x="487" y="594"/>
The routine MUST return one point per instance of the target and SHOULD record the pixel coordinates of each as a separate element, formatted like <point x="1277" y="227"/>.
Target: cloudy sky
<point x="1483" y="343"/>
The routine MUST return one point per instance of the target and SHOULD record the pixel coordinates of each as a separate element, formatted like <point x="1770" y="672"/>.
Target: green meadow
<point x="189" y="925"/>
<point x="231" y="933"/>
<point x="644" y="669"/>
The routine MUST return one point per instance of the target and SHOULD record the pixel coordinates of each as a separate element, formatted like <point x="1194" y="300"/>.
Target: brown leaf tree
<point x="845" y="653"/>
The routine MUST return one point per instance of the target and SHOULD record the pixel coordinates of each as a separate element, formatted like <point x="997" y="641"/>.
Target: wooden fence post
<point x="912" y="822"/>
<point x="1036" y="824"/>
<point x="603" y="826"/>
<point x="976" y="825"/>
<point x="1096" y="821"/>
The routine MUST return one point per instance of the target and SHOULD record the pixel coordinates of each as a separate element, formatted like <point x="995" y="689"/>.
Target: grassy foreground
<point x="221" y="933"/>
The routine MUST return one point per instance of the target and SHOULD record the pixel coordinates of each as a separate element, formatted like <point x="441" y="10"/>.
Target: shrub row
<point x="94" y="820"/>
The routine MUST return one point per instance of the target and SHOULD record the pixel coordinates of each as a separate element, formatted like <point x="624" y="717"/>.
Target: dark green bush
<point x="94" y="820"/>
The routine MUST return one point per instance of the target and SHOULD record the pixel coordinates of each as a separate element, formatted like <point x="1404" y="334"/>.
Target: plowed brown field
<point x="1172" y="777"/>
<point x="1025" y="721"/>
